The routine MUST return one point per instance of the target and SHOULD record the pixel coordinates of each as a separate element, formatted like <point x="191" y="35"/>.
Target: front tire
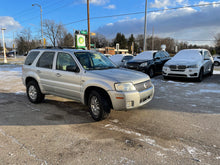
<point x="99" y="107"/>
<point x="200" y="78"/>
<point x="151" y="72"/>
<point x="34" y="93"/>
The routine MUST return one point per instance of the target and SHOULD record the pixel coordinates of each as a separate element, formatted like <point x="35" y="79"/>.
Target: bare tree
<point x="25" y="42"/>
<point x="217" y="43"/>
<point x="54" y="32"/>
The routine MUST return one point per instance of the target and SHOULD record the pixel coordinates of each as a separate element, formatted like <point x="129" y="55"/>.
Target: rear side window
<point x="46" y="60"/>
<point x="31" y="57"/>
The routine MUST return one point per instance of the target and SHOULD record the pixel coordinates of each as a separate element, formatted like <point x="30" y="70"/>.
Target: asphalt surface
<point x="181" y="125"/>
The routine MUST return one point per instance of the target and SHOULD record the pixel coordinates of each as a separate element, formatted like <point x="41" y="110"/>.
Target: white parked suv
<point x="85" y="76"/>
<point x="217" y="60"/>
<point x="189" y="63"/>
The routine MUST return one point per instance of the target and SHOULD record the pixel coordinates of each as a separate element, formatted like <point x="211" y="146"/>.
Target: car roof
<point x="64" y="50"/>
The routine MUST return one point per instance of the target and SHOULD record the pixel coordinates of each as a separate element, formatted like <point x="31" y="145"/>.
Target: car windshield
<point x="94" y="61"/>
<point x="126" y="58"/>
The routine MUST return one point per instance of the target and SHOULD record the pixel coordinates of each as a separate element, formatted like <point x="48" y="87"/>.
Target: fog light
<point x="129" y="104"/>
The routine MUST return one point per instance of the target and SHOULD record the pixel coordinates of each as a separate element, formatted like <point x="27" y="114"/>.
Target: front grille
<point x="143" y="85"/>
<point x="132" y="66"/>
<point x="180" y="68"/>
<point x="177" y="75"/>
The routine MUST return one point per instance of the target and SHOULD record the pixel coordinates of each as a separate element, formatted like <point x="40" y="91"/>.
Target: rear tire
<point x="34" y="93"/>
<point x="216" y="63"/>
<point x="99" y="107"/>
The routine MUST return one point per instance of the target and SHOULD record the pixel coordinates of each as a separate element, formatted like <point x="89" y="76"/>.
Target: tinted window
<point x="158" y="54"/>
<point x="64" y="60"/>
<point x="31" y="57"/>
<point x="46" y="60"/>
<point x="126" y="58"/>
<point x="206" y="54"/>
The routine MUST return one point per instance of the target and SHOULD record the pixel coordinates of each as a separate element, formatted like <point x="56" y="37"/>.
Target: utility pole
<point x="40" y="21"/>
<point x="145" y="28"/>
<point x="88" y="20"/>
<point x="14" y="45"/>
<point x="153" y="38"/>
<point x="3" y="40"/>
<point x="74" y="38"/>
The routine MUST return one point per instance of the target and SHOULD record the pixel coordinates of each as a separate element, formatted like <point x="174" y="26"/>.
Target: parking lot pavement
<point x="181" y="125"/>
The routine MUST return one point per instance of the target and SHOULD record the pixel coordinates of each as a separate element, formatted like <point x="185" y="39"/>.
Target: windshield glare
<point x="94" y="60"/>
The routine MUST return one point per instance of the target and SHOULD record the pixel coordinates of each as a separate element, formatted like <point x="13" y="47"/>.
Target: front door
<point x="67" y="83"/>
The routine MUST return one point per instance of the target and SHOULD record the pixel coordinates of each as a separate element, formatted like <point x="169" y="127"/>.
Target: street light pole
<point x="145" y="28"/>
<point x="40" y="21"/>
<point x="88" y="24"/>
<point x="3" y="40"/>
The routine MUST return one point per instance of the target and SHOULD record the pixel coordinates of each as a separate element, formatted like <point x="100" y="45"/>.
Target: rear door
<point x="44" y="70"/>
<point x="66" y="83"/>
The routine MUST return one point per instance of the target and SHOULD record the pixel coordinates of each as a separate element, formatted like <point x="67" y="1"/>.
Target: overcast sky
<point x="196" y="25"/>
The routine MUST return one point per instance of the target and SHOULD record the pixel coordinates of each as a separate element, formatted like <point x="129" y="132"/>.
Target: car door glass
<point x="206" y="54"/>
<point x="158" y="55"/>
<point x="31" y="57"/>
<point x="64" y="60"/>
<point x="46" y="60"/>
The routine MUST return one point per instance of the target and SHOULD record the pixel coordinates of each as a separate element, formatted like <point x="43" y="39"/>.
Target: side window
<point x="206" y="55"/>
<point x="158" y="55"/>
<point x="31" y="57"/>
<point x="46" y="60"/>
<point x="64" y="60"/>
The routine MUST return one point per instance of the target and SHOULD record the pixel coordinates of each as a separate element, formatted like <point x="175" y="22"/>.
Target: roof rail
<point x="49" y="47"/>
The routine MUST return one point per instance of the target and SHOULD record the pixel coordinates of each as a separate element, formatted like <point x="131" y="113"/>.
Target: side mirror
<point x="72" y="68"/>
<point x="157" y="58"/>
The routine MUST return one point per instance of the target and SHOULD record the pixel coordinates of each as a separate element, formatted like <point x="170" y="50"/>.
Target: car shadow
<point x="15" y="109"/>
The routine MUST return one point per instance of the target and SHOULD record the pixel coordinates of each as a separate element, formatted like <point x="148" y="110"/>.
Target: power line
<point x="142" y="12"/>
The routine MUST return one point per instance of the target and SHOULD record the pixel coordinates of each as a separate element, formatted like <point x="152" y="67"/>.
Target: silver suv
<point x="85" y="76"/>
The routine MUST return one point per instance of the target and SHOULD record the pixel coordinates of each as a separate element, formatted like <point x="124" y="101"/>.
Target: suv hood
<point x="182" y="62"/>
<point x="118" y="75"/>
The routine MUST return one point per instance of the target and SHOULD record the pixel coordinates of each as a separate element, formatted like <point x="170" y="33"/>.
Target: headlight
<point x="124" y="87"/>
<point x="193" y="66"/>
<point x="143" y="64"/>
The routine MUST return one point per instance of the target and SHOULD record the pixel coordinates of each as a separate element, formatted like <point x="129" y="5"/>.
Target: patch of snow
<point x="216" y="72"/>
<point x="114" y="121"/>
<point x="125" y="161"/>
<point x="209" y="91"/>
<point x="218" y="157"/>
<point x="193" y="105"/>
<point x="20" y="93"/>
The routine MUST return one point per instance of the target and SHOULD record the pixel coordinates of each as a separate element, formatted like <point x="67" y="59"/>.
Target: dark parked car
<point x="149" y="62"/>
<point x="11" y="54"/>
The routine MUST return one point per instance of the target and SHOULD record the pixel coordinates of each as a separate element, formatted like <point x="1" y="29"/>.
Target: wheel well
<point x="98" y="89"/>
<point x="28" y="79"/>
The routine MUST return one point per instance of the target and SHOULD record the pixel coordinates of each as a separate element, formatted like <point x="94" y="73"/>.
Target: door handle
<point x="38" y="71"/>
<point x="58" y="75"/>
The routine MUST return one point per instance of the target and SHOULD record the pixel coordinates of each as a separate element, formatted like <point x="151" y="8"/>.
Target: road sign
<point x="83" y="32"/>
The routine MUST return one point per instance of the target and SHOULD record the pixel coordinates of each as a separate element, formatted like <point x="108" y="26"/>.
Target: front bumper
<point x="129" y="100"/>
<point x="187" y="73"/>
